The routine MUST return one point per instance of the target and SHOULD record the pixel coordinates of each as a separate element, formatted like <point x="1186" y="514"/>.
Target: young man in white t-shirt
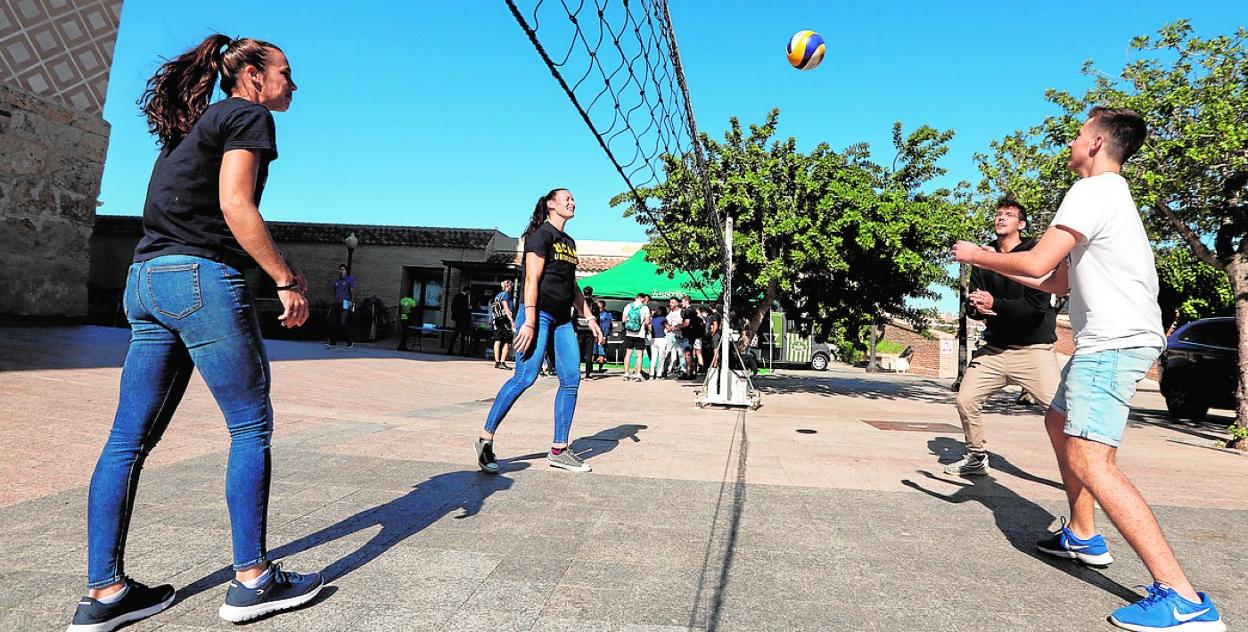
<point x="1097" y="250"/>
<point x="675" y="361"/>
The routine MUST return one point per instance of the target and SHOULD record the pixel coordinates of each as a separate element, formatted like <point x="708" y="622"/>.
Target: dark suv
<point x="1199" y="368"/>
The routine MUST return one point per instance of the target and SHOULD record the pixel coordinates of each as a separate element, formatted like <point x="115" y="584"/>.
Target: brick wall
<point x="378" y="270"/>
<point x="928" y="358"/>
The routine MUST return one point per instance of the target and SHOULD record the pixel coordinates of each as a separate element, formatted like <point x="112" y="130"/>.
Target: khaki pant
<point x="1033" y="367"/>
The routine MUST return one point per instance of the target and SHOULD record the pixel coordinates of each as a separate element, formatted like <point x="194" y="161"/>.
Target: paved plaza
<point x="826" y="509"/>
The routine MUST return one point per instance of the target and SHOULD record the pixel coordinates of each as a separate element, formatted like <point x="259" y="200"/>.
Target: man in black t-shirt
<point x="692" y="333"/>
<point x="462" y="316"/>
<point x="585" y="336"/>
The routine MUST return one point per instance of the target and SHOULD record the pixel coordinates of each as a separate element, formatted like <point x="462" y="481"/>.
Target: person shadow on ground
<point x="399" y="519"/>
<point x="948" y="450"/>
<point x="1020" y="520"/>
<point x="590" y="447"/>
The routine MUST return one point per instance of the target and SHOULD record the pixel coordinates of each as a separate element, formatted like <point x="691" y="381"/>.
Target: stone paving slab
<point x="692" y="520"/>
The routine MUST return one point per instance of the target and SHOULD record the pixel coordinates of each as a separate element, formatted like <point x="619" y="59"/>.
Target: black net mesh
<point x="619" y="64"/>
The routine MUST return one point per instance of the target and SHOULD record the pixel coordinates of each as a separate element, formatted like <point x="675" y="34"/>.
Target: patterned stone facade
<point x="54" y="65"/>
<point x="59" y="50"/>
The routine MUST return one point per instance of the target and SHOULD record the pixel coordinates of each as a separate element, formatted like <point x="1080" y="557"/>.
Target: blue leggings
<point x="567" y="366"/>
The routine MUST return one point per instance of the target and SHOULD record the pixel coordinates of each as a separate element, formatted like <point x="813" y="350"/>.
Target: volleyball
<point x="806" y="50"/>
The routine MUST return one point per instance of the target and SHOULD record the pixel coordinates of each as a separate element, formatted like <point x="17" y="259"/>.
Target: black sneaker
<point x="485" y="457"/>
<point x="140" y="602"/>
<point x="284" y="590"/>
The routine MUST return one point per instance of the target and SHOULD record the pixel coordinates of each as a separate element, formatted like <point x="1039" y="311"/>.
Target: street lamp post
<point x="351" y="241"/>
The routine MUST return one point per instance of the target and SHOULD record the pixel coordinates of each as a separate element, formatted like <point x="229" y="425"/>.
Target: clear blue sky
<point x="441" y="114"/>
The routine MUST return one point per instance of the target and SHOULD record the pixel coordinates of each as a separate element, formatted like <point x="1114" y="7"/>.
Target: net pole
<point x="725" y="334"/>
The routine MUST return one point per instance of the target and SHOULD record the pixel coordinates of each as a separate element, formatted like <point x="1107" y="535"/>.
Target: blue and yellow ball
<point x="806" y="50"/>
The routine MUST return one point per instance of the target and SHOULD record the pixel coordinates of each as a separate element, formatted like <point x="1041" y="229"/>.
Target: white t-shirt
<point x="675" y="320"/>
<point x="645" y="317"/>
<point x="1113" y="278"/>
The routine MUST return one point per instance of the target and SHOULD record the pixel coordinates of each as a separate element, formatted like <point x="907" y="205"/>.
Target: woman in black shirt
<point x="545" y="318"/>
<point x="189" y="308"/>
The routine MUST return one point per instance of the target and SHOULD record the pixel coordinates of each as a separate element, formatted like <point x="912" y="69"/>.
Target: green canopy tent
<point x="635" y="275"/>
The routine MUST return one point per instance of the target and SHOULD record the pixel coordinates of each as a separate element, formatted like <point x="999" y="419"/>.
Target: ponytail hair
<point x="540" y="212"/>
<point x="177" y="95"/>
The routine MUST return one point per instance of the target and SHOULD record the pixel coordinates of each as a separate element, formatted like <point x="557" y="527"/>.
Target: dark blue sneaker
<point x="1066" y="545"/>
<point x="1164" y="610"/>
<point x="283" y="590"/>
<point x="140" y="602"/>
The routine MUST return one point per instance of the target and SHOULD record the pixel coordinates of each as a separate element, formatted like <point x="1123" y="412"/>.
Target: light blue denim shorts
<point x="1096" y="391"/>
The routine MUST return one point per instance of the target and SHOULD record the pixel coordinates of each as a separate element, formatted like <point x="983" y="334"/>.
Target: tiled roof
<point x="598" y="264"/>
<point x="584" y="263"/>
<point x="369" y="235"/>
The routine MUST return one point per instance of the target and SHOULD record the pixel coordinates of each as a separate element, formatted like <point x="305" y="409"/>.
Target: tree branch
<point x="1201" y="251"/>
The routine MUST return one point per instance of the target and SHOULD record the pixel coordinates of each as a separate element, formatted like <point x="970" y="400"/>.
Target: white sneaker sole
<point x="570" y="468"/>
<point x="1190" y="626"/>
<point x="129" y="617"/>
<point x="983" y="471"/>
<point x="239" y="614"/>
<point x="1101" y="560"/>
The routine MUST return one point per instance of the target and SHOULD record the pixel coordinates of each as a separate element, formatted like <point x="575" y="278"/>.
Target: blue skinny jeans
<point x="567" y="366"/>
<point x="185" y="313"/>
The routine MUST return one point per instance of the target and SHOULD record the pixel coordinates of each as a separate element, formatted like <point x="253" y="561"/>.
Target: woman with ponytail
<point x="189" y="308"/>
<point x="545" y="319"/>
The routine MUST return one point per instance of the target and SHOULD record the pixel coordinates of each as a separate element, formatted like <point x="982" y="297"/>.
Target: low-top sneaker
<point x="567" y="460"/>
<point x="283" y="590"/>
<point x="1165" y="610"/>
<point x="139" y="602"/>
<point x="1065" y="544"/>
<point x="485" y="457"/>
<point x="973" y="464"/>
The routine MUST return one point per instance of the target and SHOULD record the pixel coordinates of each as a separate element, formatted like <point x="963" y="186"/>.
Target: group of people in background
<point x="667" y="341"/>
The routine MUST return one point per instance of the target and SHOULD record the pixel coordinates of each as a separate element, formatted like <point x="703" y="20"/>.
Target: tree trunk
<point x="756" y="319"/>
<point x="1237" y="271"/>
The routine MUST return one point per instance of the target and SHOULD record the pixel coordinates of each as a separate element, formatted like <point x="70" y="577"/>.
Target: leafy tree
<point x="835" y="238"/>
<point x="1190" y="289"/>
<point x="1190" y="179"/>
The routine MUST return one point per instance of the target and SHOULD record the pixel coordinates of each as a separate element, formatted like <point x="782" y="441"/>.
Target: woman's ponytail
<point x="177" y="95"/>
<point x="540" y="213"/>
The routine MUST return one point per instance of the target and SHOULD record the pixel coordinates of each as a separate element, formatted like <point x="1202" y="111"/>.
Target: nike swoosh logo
<point x="1076" y="547"/>
<point x="1183" y="618"/>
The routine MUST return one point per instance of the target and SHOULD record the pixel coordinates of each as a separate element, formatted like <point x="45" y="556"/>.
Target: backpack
<point x="496" y="309"/>
<point x="632" y="319"/>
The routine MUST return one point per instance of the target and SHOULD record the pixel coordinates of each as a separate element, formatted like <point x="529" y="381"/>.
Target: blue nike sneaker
<point x="1065" y="544"/>
<point x="1165" y="610"/>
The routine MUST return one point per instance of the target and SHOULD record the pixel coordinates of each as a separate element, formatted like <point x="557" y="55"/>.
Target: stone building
<point x="429" y="264"/>
<point x="54" y="65"/>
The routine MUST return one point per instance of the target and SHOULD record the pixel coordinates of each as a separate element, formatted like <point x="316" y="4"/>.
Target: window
<point x="1214" y="333"/>
<point x="425" y="286"/>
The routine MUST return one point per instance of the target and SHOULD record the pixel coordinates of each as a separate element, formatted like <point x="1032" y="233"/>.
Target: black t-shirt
<point x="557" y="284"/>
<point x="459" y="308"/>
<point x="694" y="328"/>
<point x="182" y="215"/>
